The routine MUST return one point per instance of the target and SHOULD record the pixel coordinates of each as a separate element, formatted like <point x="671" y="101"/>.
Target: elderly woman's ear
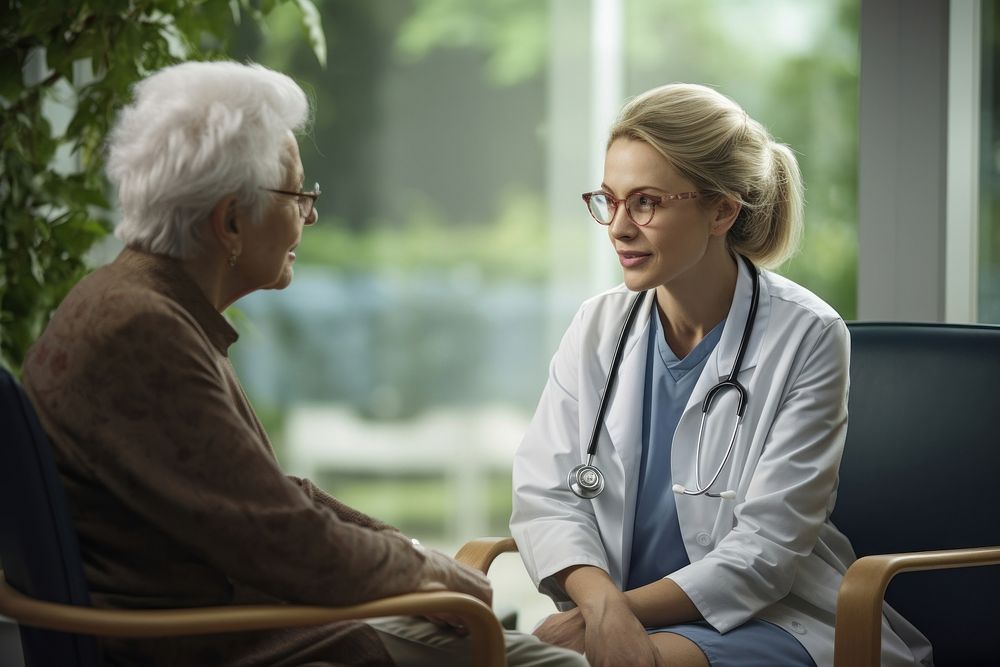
<point x="227" y="225"/>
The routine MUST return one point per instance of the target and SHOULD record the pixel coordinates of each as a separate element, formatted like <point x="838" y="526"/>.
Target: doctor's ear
<point x="726" y="212"/>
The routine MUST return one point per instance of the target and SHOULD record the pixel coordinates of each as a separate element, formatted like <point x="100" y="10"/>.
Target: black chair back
<point x="39" y="552"/>
<point x="920" y="472"/>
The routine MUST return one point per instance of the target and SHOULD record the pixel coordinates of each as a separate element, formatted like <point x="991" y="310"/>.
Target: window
<point x="452" y="139"/>
<point x="989" y="168"/>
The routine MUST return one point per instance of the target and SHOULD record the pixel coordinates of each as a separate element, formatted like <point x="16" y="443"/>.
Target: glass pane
<point x="989" y="186"/>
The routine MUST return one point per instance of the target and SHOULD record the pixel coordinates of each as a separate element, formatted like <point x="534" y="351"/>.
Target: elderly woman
<point x="176" y="495"/>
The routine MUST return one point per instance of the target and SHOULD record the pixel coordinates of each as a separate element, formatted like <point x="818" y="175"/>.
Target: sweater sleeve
<point x="345" y="512"/>
<point x="163" y="432"/>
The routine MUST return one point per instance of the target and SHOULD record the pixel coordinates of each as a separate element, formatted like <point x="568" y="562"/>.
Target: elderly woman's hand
<point x="565" y="628"/>
<point x="442" y="573"/>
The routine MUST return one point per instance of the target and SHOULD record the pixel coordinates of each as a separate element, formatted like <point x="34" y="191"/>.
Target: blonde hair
<point x="713" y="143"/>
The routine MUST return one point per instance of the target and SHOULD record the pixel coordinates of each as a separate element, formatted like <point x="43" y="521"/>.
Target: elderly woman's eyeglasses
<point x="305" y="200"/>
<point x="639" y="205"/>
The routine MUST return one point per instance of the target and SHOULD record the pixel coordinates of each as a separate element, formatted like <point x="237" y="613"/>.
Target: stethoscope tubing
<point x="730" y="382"/>
<point x="616" y="361"/>
<point x="593" y="488"/>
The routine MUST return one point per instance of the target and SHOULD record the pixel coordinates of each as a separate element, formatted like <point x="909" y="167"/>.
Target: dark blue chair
<point x="39" y="552"/>
<point x="917" y="491"/>
<point x="42" y="586"/>
<point x="920" y="473"/>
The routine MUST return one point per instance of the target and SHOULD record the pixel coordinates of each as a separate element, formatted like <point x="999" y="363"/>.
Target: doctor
<point x="669" y="530"/>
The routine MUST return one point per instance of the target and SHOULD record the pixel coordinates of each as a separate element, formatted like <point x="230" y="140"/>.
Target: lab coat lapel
<point x="623" y="420"/>
<point x="623" y="423"/>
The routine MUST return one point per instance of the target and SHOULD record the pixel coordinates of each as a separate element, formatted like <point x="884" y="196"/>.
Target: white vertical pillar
<point x="585" y="90"/>
<point x="903" y="160"/>
<point x="606" y="92"/>
<point x="567" y="138"/>
<point x="962" y="233"/>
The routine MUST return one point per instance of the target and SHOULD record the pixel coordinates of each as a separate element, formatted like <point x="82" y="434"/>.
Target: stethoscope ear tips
<point x="680" y="490"/>
<point x="586" y="481"/>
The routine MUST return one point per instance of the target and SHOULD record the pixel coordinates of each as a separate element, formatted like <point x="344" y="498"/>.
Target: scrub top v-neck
<point x="657" y="547"/>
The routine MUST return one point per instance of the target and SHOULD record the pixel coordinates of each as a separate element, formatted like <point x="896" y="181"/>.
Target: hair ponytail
<point x="769" y="228"/>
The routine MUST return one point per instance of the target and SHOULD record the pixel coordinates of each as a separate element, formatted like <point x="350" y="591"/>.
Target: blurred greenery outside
<point x="989" y="169"/>
<point x="429" y="141"/>
<point x="419" y="503"/>
<point x="430" y="277"/>
<point x="807" y="96"/>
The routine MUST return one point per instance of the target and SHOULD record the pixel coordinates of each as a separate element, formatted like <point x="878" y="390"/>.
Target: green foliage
<point x="78" y="60"/>
<point x="420" y="504"/>
<point x="512" y="31"/>
<point x="514" y="247"/>
<point x="803" y="84"/>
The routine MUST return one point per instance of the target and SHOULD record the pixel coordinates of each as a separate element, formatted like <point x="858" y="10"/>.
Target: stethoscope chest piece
<point x="586" y="481"/>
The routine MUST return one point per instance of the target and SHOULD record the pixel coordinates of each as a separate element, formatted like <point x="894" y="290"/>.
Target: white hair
<point x="194" y="133"/>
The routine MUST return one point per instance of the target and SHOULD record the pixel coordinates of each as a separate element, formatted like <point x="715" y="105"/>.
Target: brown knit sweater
<point x="173" y="485"/>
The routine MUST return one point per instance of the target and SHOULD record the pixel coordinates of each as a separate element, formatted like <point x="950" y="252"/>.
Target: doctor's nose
<point x="622" y="226"/>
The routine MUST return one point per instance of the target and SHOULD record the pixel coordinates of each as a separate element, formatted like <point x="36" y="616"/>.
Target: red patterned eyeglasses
<point x="639" y="205"/>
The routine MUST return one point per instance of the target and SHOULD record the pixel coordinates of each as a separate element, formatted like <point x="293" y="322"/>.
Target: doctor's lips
<point x="631" y="259"/>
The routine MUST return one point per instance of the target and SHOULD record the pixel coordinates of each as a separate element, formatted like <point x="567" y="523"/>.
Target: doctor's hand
<point x="614" y="636"/>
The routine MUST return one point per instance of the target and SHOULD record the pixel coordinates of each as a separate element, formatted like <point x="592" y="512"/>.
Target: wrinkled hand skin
<point x="565" y="629"/>
<point x="442" y="573"/>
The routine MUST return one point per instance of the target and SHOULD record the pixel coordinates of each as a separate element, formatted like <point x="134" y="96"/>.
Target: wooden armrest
<point x="481" y="553"/>
<point x="485" y="633"/>
<point x="858" y="639"/>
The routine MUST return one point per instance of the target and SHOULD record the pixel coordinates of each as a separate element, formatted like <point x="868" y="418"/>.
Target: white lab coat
<point x="770" y="553"/>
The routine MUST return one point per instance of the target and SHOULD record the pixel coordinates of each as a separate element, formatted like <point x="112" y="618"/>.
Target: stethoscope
<point x="587" y="481"/>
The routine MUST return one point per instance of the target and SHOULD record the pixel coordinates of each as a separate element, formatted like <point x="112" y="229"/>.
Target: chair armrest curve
<point x="481" y="553"/>
<point x="485" y="632"/>
<point x="858" y="636"/>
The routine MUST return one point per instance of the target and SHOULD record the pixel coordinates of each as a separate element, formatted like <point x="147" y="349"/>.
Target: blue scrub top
<point x="657" y="547"/>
